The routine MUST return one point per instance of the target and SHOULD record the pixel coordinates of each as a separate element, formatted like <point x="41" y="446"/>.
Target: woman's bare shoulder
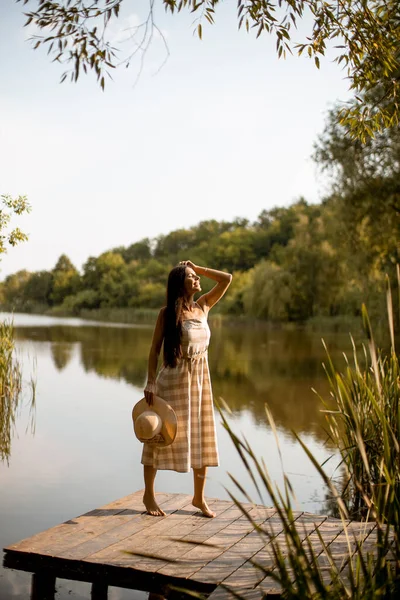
<point x="161" y="315"/>
<point x="202" y="303"/>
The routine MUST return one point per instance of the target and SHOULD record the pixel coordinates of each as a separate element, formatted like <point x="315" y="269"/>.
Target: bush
<point x="84" y="300"/>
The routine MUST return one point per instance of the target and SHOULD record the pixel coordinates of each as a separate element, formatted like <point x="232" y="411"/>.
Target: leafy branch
<point x="364" y="34"/>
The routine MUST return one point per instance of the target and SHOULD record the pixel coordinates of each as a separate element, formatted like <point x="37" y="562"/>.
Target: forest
<point x="291" y="264"/>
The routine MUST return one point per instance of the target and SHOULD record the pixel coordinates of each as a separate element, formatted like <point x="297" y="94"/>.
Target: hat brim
<point x="167" y="414"/>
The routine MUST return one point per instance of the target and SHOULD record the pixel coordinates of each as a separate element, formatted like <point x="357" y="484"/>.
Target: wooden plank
<point x="193" y="560"/>
<point x="119" y="526"/>
<point x="183" y="548"/>
<point x="174" y="508"/>
<point x="344" y="549"/>
<point x="55" y="545"/>
<point x="247" y="575"/>
<point x="116" y="554"/>
<point x="131" y="506"/>
<point x="178" y="548"/>
<point x="139" y="532"/>
<point x="221" y="593"/>
<point x="335" y="537"/>
<point x="329" y="529"/>
<point x="188" y="540"/>
<point x="173" y="530"/>
<point x="229" y="561"/>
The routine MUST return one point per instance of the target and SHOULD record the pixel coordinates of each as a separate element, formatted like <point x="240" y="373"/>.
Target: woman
<point x="184" y="381"/>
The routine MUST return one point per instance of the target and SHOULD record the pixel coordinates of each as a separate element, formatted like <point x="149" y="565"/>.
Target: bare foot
<point x="152" y="507"/>
<point x="205" y="509"/>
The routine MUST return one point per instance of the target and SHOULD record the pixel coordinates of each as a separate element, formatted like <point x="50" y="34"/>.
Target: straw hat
<point x="155" y="424"/>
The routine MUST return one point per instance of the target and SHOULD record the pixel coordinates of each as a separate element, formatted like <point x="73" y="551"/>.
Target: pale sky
<point x="223" y="130"/>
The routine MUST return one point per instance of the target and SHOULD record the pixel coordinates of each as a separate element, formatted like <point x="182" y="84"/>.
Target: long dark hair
<point x="173" y="315"/>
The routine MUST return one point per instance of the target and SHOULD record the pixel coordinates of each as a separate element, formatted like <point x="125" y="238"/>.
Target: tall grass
<point x="11" y="387"/>
<point x="129" y="316"/>
<point x="363" y="417"/>
<point x="364" y="425"/>
<point x="303" y="568"/>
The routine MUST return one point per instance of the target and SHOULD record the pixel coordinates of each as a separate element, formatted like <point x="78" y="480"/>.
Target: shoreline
<point x="148" y="316"/>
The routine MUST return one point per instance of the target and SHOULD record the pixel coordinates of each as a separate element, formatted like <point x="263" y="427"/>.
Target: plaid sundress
<point x="187" y="388"/>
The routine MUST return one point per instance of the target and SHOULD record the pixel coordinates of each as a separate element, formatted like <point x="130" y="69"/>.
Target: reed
<point x="363" y="417"/>
<point x="364" y="425"/>
<point x="298" y="568"/>
<point x="10" y="388"/>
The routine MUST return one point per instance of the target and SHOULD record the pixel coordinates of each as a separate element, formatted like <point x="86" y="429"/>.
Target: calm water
<point x="83" y="453"/>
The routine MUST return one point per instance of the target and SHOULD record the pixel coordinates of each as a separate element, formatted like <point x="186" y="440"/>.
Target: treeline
<point x="291" y="264"/>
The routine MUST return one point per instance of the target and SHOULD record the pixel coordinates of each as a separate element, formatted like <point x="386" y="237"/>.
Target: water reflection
<point x="85" y="454"/>
<point x="249" y="365"/>
<point x="61" y="353"/>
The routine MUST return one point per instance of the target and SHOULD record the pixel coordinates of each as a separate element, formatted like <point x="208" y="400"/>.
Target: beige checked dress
<point x="187" y="388"/>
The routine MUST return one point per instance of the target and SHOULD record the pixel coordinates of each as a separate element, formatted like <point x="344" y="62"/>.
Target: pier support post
<point x="99" y="590"/>
<point x="43" y="586"/>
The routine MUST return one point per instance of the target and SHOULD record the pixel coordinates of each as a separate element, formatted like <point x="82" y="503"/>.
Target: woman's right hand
<point x="149" y="392"/>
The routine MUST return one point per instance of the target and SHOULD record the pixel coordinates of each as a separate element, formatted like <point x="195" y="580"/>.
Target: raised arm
<point x="158" y="337"/>
<point x="223" y="282"/>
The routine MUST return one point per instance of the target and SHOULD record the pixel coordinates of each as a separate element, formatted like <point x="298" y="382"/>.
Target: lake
<point x="75" y="450"/>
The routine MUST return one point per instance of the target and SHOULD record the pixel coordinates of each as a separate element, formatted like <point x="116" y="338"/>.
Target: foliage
<point x="83" y="300"/>
<point x="269" y="294"/>
<point x="364" y="426"/>
<point x="11" y="387"/>
<point x="64" y="280"/>
<point x="8" y="208"/>
<point x="306" y="570"/>
<point x="291" y="264"/>
<point x="365" y="36"/>
<point x="365" y="187"/>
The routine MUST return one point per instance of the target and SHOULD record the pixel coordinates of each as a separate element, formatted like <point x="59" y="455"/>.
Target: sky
<point x="220" y="129"/>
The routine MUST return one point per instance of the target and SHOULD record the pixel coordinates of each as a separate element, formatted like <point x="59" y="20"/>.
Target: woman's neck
<point x="188" y="302"/>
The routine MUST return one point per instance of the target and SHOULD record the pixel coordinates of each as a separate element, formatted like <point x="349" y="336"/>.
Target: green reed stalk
<point x="10" y="388"/>
<point x="302" y="569"/>
<point x="364" y="426"/>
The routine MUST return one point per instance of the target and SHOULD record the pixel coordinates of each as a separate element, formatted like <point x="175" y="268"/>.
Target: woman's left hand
<point x="149" y="392"/>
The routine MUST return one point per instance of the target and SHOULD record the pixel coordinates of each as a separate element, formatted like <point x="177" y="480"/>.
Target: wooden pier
<point x="118" y="544"/>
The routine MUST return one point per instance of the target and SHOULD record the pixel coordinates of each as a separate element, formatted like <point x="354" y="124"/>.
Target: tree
<point x="13" y="289"/>
<point x="8" y="208"/>
<point x="365" y="187"/>
<point x="138" y="251"/>
<point x="365" y="34"/>
<point x="38" y="288"/>
<point x="96" y="268"/>
<point x="65" y="280"/>
<point x="174" y="244"/>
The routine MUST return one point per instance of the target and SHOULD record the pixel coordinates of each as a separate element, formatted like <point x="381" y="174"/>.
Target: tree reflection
<point x="61" y="353"/>
<point x="250" y="366"/>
